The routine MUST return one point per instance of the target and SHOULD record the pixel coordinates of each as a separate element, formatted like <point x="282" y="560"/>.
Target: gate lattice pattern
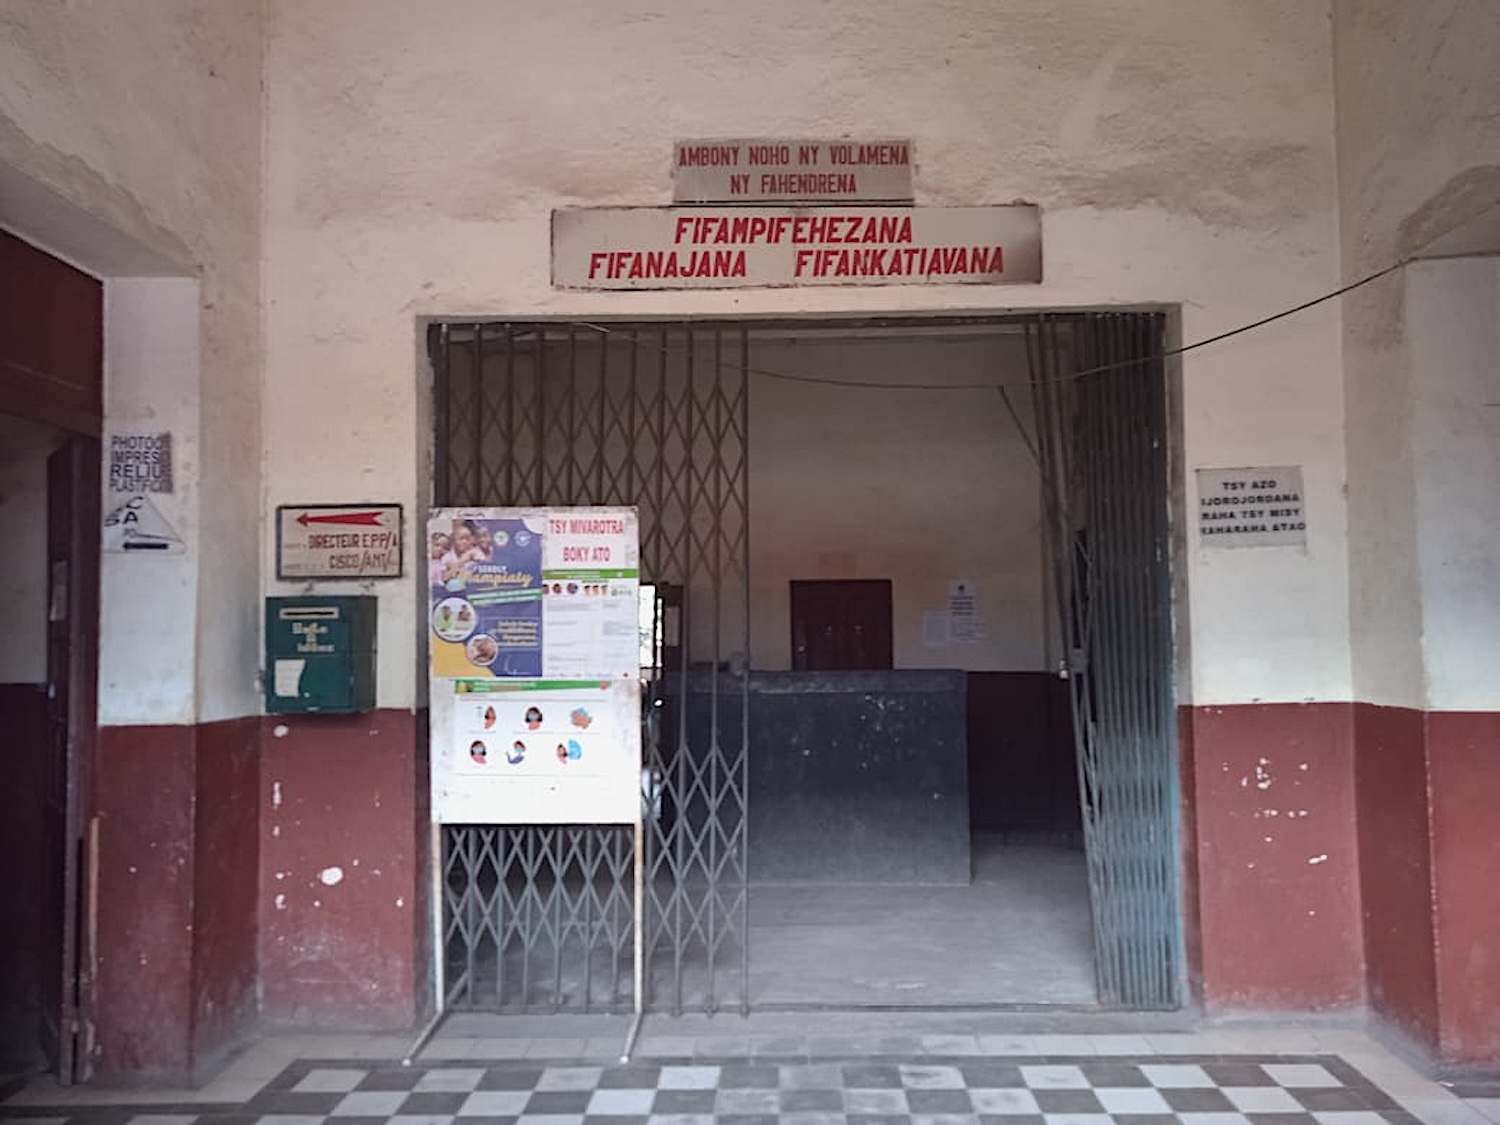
<point x="653" y="416"/>
<point x="1102" y="438"/>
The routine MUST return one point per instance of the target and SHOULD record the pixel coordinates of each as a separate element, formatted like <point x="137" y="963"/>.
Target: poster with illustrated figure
<point x="537" y="752"/>
<point x="531" y="593"/>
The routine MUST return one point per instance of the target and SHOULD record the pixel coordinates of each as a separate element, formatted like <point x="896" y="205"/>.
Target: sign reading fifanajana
<point x="1256" y="507"/>
<point x="751" y="171"/>
<point x="740" y="247"/>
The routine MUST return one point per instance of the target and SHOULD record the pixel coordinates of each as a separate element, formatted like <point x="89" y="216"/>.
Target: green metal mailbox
<point x="320" y="654"/>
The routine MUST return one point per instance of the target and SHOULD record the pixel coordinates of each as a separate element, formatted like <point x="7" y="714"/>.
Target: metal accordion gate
<point x="1100" y="397"/>
<point x="654" y="416"/>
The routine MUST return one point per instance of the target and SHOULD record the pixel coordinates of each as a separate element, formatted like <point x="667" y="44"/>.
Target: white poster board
<point x="533" y="630"/>
<point x="536" y="752"/>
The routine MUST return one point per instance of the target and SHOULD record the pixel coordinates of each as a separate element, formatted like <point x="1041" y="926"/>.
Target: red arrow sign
<point x="360" y="519"/>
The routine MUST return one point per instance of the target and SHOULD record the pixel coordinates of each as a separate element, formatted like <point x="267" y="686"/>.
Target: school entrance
<point x="909" y="729"/>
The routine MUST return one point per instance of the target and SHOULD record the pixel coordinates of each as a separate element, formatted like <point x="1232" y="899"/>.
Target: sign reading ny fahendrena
<point x="742" y="247"/>
<point x="769" y="171"/>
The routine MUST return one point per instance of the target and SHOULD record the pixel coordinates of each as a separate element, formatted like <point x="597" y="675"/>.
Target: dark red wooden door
<point x="73" y="513"/>
<point x="841" y="624"/>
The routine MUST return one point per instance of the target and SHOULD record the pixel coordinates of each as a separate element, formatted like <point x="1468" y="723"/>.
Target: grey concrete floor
<point x="1018" y="934"/>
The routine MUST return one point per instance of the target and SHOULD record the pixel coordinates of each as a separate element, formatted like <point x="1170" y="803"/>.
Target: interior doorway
<point x="841" y="624"/>
<point x="50" y="420"/>
<point x="958" y="823"/>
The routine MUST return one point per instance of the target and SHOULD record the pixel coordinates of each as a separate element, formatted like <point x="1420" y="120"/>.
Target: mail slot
<point x="320" y="655"/>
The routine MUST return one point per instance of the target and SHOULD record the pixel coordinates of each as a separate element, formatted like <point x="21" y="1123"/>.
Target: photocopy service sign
<point x="140" y="463"/>
<point x="743" y="247"/>
<point x="762" y="171"/>
<point x="1258" y="507"/>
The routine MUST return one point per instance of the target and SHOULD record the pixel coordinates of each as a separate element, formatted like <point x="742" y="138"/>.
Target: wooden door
<point x="841" y="624"/>
<point x="73" y="513"/>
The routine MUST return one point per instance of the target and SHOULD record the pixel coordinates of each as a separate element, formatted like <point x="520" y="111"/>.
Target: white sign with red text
<point x="338" y="541"/>
<point x="769" y="171"/>
<point x="741" y="247"/>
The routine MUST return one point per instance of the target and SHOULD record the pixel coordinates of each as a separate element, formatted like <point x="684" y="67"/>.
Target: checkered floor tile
<point x="1193" y="1090"/>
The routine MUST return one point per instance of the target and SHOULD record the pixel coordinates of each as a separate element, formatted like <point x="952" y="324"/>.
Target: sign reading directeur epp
<point x="742" y="247"/>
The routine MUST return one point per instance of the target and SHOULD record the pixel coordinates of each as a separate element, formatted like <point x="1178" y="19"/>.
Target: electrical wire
<point x="1156" y="357"/>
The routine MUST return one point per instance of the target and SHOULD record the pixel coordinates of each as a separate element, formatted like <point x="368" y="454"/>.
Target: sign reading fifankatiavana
<point x="768" y="171"/>
<point x="1255" y="507"/>
<point x="741" y="247"/>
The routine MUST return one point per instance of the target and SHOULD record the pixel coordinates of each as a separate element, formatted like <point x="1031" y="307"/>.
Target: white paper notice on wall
<point x="965" y="626"/>
<point x="1251" y="507"/>
<point x="288" y="677"/>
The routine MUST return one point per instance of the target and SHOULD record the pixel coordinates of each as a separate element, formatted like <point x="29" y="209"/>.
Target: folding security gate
<point x="656" y="416"/>
<point x="1101" y="408"/>
<point x="653" y="416"/>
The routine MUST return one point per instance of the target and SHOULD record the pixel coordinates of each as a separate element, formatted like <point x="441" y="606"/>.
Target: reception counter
<point x="854" y="777"/>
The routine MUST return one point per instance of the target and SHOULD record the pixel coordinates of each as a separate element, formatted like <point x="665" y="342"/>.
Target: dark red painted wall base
<point x="175" y="887"/>
<point x="1395" y="870"/>
<point x="1337" y="854"/>
<point x="1463" y="771"/>
<point x="1277" y="863"/>
<point x="343" y="871"/>
<point x="1333" y="854"/>
<point x="252" y="872"/>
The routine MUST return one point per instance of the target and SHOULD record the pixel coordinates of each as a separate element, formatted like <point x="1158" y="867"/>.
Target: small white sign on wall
<point x="1251" y="507"/>
<point x="793" y="170"/>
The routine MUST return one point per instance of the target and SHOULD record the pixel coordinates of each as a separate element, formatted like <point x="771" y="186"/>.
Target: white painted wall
<point x="130" y="144"/>
<point x="1182" y="153"/>
<point x="916" y="486"/>
<point x="1453" y="331"/>
<point x="150" y="620"/>
<point x="24" y="447"/>
<point x="1418" y="156"/>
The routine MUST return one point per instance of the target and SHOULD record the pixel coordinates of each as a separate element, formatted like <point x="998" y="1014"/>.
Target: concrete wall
<point x="917" y="486"/>
<point x="130" y="146"/>
<point x="1419" y="156"/>
<point x="1419" y="173"/>
<point x="130" y="142"/>
<point x="1453" y="338"/>
<point x="1182" y="154"/>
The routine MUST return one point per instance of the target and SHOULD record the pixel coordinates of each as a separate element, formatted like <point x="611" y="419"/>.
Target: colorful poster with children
<point x="485" y="586"/>
<point x="533" y="593"/>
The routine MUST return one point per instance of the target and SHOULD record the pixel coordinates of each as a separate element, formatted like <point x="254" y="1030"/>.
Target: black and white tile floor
<point x="1329" y="1078"/>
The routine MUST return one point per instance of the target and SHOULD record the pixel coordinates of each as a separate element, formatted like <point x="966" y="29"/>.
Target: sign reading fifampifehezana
<point x="534" y="593"/>
<point x="738" y="247"/>
<point x="1255" y="507"/>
